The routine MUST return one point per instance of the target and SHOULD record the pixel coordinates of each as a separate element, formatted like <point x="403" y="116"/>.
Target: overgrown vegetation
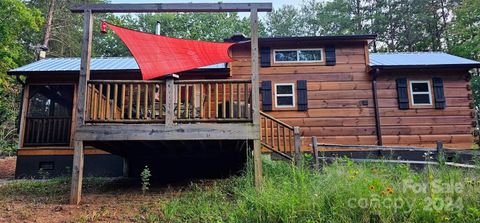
<point x="342" y="192"/>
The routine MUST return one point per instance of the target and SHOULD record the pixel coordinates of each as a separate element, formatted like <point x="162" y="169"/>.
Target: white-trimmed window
<point x="298" y="55"/>
<point x="285" y="95"/>
<point x="420" y="92"/>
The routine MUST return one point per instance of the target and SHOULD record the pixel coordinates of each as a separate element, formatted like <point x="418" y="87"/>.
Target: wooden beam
<point x="297" y="141"/>
<point x="170" y="99"/>
<point x="23" y="116"/>
<point x="77" y="169"/>
<point x="172" y="7"/>
<point x="315" y="153"/>
<point x="114" y="132"/>
<point x="77" y="173"/>
<point x="257" y="145"/>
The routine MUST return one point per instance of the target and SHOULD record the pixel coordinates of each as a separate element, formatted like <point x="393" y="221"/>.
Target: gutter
<point x="378" y="128"/>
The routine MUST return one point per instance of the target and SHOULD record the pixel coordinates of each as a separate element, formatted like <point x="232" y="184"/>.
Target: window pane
<point x="421" y="99"/>
<point x="285" y="101"/>
<point x="50" y="101"/>
<point x="286" y="55"/>
<point x="310" y="55"/>
<point x="419" y="87"/>
<point x="284" y="89"/>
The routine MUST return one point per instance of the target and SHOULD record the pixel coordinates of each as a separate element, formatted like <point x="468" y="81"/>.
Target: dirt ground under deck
<point x="124" y="203"/>
<point x="7" y="167"/>
<point x="125" y="207"/>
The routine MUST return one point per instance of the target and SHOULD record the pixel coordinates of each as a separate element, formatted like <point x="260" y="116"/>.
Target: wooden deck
<point x="157" y="110"/>
<point x="179" y="123"/>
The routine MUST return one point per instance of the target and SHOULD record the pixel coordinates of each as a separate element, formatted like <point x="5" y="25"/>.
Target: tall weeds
<point x="341" y="192"/>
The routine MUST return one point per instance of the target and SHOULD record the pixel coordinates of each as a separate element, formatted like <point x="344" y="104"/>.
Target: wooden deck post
<point x="77" y="168"/>
<point x="257" y="153"/>
<point x="297" y="141"/>
<point x="170" y="99"/>
<point x="315" y="153"/>
<point x="440" y="153"/>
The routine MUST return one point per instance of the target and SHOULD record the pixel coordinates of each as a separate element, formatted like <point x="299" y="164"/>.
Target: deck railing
<point x="47" y="131"/>
<point x="278" y="136"/>
<point x="125" y="101"/>
<point x="213" y="100"/>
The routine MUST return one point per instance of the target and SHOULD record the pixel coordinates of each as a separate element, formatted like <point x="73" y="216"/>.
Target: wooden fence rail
<point x="433" y="156"/>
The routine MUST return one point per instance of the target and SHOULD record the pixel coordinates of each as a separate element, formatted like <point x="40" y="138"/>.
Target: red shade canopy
<point x="158" y="55"/>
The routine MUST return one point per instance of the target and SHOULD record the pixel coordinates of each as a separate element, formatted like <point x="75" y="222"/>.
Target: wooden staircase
<point x="279" y="137"/>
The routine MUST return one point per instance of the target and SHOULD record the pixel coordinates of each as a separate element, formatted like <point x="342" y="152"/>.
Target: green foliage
<point x="465" y="29"/>
<point x="16" y="19"/>
<point x="401" y="25"/>
<point x="145" y="177"/>
<point x="290" y="194"/>
<point x="464" y="39"/>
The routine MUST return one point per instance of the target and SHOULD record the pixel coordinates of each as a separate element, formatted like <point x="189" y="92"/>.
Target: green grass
<point x="342" y="192"/>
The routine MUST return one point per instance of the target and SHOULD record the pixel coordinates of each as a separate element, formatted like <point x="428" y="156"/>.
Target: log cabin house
<point x="331" y="87"/>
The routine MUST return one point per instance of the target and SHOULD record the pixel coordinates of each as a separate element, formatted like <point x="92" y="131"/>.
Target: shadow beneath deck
<point x="180" y="161"/>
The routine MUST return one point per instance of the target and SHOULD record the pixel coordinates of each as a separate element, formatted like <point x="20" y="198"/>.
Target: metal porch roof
<point x="420" y="59"/>
<point x="98" y="64"/>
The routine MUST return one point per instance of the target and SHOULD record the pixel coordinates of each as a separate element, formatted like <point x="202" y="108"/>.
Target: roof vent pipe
<point x="157" y="28"/>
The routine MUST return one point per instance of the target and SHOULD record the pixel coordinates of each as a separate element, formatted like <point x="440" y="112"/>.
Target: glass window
<point x="284" y="95"/>
<point x="420" y="93"/>
<point x="49" y="115"/>
<point x="50" y="101"/>
<point x="286" y="56"/>
<point x="298" y="55"/>
<point x="310" y="55"/>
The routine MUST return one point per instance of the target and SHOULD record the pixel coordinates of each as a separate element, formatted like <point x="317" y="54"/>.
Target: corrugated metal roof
<point x="419" y="59"/>
<point x="98" y="64"/>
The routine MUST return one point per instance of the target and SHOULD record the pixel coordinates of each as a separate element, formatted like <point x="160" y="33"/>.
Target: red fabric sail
<point x="158" y="55"/>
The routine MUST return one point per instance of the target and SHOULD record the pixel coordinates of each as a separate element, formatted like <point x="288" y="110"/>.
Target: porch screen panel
<point x="49" y="115"/>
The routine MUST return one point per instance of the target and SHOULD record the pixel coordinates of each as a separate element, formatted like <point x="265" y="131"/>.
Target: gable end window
<point x="420" y="93"/>
<point x="298" y="55"/>
<point x="284" y="95"/>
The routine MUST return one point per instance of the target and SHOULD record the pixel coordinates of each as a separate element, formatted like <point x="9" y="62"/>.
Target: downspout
<point x="378" y="125"/>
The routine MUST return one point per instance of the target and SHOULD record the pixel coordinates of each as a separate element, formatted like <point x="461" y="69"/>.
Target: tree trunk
<point x="48" y="25"/>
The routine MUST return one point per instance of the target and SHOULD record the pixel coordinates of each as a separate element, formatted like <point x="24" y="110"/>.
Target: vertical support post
<point x="257" y="153"/>
<point x="315" y="153"/>
<point x="126" y="167"/>
<point x="23" y="115"/>
<point x="170" y="99"/>
<point x="297" y="143"/>
<point x="440" y="153"/>
<point x="77" y="169"/>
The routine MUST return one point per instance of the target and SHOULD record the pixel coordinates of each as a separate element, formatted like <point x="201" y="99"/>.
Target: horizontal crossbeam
<point x="172" y="7"/>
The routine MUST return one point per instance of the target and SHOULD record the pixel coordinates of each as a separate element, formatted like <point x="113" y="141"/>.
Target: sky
<point x="276" y="3"/>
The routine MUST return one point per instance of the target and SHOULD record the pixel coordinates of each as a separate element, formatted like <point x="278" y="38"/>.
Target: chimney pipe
<point x="157" y="28"/>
